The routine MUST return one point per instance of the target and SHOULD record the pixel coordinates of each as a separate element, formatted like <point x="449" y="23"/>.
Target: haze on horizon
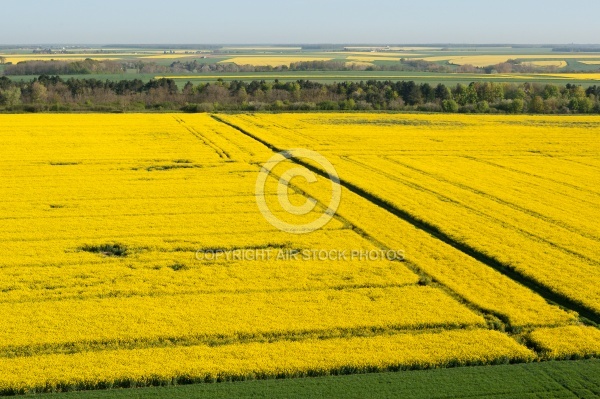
<point x="295" y="21"/>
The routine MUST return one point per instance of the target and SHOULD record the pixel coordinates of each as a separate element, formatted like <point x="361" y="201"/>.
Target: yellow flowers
<point x="274" y="61"/>
<point x="60" y="57"/>
<point x="578" y="76"/>
<point x="454" y="173"/>
<point x="368" y="59"/>
<point x="567" y="342"/>
<point x="256" y="360"/>
<point x="16" y="58"/>
<point x="104" y="218"/>
<point x="485" y="60"/>
<point x="210" y="317"/>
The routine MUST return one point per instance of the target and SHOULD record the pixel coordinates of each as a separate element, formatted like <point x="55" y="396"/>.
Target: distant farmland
<point x="360" y="60"/>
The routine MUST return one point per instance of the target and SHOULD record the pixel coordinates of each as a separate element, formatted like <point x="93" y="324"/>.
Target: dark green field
<point x="568" y="379"/>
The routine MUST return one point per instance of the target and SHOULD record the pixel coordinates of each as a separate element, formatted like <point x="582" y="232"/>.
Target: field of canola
<point x="103" y="218"/>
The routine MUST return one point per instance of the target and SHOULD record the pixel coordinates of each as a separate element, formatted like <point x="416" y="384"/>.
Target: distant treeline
<point x="84" y="67"/>
<point x="163" y="46"/>
<point x="52" y="93"/>
<point x="578" y="49"/>
<point x="90" y="66"/>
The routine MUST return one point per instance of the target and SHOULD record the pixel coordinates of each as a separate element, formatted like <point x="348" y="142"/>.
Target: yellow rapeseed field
<point x="578" y="76"/>
<point x="486" y="60"/>
<point x="369" y="58"/>
<point x="16" y="58"/>
<point x="443" y="170"/>
<point x="258" y="60"/>
<point x="567" y="342"/>
<point x="122" y="238"/>
<point x="89" y="370"/>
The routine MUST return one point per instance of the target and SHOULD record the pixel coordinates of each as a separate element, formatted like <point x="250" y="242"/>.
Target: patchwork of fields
<point x="277" y="56"/>
<point x="109" y="223"/>
<point x="554" y="67"/>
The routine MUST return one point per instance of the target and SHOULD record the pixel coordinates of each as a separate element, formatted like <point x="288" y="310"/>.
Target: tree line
<point x="90" y="66"/>
<point x="53" y="93"/>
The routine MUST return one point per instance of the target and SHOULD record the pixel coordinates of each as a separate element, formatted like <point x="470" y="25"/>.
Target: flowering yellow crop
<point x="368" y="58"/>
<point x="108" y="225"/>
<point x="486" y="60"/>
<point x="567" y="342"/>
<point x="467" y="277"/>
<point x="256" y="360"/>
<point x="442" y="170"/>
<point x="578" y="76"/>
<point x="61" y="324"/>
<point x="17" y="59"/>
<point x="259" y="60"/>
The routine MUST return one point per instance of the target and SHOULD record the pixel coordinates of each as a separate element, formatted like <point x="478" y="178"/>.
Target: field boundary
<point x="576" y="378"/>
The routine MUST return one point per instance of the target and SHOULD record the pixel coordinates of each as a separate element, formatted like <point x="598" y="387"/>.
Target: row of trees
<point x="89" y="66"/>
<point x="84" y="67"/>
<point x="52" y="93"/>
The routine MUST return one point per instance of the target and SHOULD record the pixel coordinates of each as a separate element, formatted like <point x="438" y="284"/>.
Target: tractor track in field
<point x="528" y="174"/>
<point x="515" y="207"/>
<point x="511" y="226"/>
<point x="589" y="315"/>
<point x="220" y="152"/>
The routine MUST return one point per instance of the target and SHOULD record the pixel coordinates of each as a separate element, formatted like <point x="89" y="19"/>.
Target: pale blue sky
<point x="294" y="21"/>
